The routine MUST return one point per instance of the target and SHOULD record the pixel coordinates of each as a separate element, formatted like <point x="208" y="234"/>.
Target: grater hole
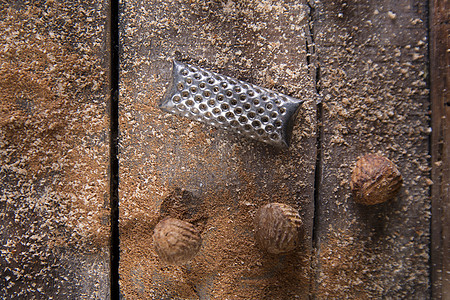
<point x="264" y="98"/>
<point x="269" y="106"/>
<point x="258" y="91"/>
<point x="264" y="119"/>
<point x="277" y="102"/>
<point x="202" y="106"/>
<point x="220" y="97"/>
<point x="243" y="119"/>
<point x="189" y="81"/>
<point x="208" y="115"/>
<point x="260" y="110"/>
<point x="180" y="86"/>
<point x="237" y="89"/>
<point x="185" y="94"/>
<point x="215" y="89"/>
<point x="247" y="106"/>
<point x="256" y="124"/>
<point x="224" y="84"/>
<point x="247" y="127"/>
<point x="242" y="97"/>
<point x="184" y="72"/>
<point x="229" y="115"/>
<point x="195" y="111"/>
<point x="271" y="95"/>
<point x="234" y="123"/>
<point x="255" y="101"/>
<point x="232" y="82"/>
<point x="202" y="85"/>
<point x="273" y="115"/>
<point x="189" y="102"/>
<point x="216" y="111"/>
<point x="229" y="93"/>
<point x="197" y="76"/>
<point x="282" y="110"/>
<point x="176" y="99"/>
<point x="274" y="136"/>
<point x="233" y="102"/>
<point x="244" y="86"/>
<point x="225" y="106"/>
<point x="251" y="93"/>
<point x="181" y="107"/>
<point x="277" y="123"/>
<point x="210" y="80"/>
<point x="251" y="115"/>
<point x="269" y="128"/>
<point x="207" y="93"/>
<point x="211" y="103"/>
<point x="221" y="119"/>
<point x="238" y="111"/>
<point x="193" y="89"/>
<point x="198" y="98"/>
<point x="260" y="131"/>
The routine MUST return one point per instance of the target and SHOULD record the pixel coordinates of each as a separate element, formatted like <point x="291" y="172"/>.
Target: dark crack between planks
<point x="314" y="67"/>
<point x="114" y="135"/>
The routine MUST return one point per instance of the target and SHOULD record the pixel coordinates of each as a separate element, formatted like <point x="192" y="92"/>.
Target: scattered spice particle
<point x="392" y="15"/>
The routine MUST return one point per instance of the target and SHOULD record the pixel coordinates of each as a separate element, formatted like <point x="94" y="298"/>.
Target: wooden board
<point x="225" y="178"/>
<point x="373" y="79"/>
<point x="54" y="209"/>
<point x="440" y="141"/>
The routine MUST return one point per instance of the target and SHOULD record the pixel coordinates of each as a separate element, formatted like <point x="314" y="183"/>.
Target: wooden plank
<point x="373" y="62"/>
<point x="54" y="210"/>
<point x="440" y="148"/>
<point x="228" y="176"/>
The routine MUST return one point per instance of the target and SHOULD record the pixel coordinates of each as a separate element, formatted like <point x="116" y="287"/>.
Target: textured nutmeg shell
<point x="278" y="228"/>
<point x="176" y="241"/>
<point x="375" y="179"/>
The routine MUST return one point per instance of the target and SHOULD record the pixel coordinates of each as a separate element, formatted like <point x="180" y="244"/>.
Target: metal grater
<point x="224" y="102"/>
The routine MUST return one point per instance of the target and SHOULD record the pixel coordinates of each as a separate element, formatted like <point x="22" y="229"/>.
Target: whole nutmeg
<point x="176" y="241"/>
<point x="375" y="179"/>
<point x="278" y="228"/>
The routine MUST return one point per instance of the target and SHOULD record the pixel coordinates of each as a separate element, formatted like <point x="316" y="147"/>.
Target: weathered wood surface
<point x="440" y="149"/>
<point x="53" y="151"/>
<point x="229" y="177"/>
<point x="373" y="79"/>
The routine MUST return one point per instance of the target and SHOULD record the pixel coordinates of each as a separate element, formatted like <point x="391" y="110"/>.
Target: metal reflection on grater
<point x="228" y="103"/>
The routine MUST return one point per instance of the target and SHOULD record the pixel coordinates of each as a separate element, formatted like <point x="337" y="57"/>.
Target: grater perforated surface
<point x="224" y="102"/>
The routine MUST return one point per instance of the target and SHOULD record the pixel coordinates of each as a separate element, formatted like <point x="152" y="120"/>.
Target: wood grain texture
<point x="53" y="151"/>
<point x="228" y="177"/>
<point x="440" y="149"/>
<point x="373" y="79"/>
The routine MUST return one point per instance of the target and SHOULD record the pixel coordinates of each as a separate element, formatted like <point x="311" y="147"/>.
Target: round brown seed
<point x="176" y="241"/>
<point x="375" y="179"/>
<point x="278" y="228"/>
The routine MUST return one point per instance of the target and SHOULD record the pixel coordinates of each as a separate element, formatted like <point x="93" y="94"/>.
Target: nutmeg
<point x="278" y="228"/>
<point x="375" y="179"/>
<point x="176" y="241"/>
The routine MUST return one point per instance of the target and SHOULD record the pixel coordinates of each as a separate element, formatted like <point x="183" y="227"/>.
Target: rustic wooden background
<point x="375" y="79"/>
